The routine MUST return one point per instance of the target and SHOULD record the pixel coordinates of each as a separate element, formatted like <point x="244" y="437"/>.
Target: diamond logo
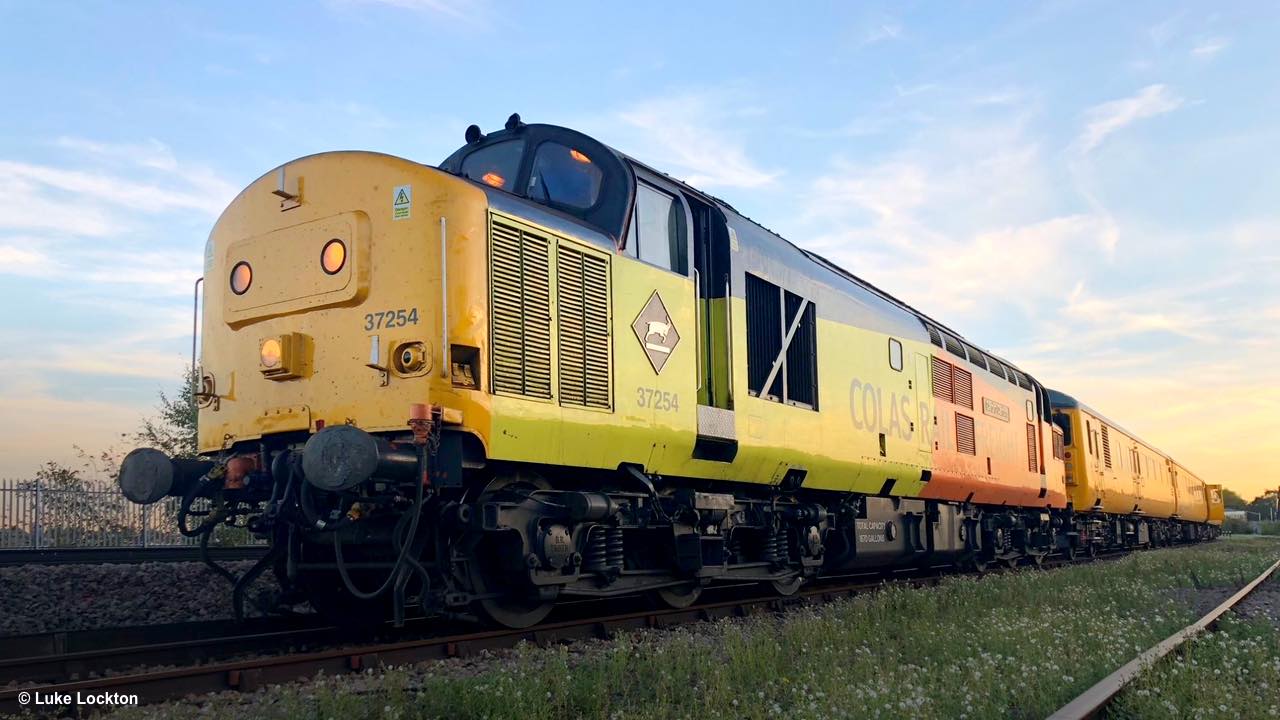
<point x="655" y="332"/>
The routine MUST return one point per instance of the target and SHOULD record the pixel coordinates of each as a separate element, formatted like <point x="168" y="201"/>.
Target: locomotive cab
<point x="559" y="168"/>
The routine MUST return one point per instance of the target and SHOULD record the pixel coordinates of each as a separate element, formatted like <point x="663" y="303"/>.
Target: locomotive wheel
<point x="516" y="608"/>
<point x="514" y="612"/>
<point x="679" y="596"/>
<point x="787" y="587"/>
<point x="1070" y="553"/>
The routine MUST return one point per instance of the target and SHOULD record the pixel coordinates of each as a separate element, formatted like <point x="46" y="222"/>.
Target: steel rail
<point x="129" y="555"/>
<point x="1092" y="701"/>
<point x="250" y="674"/>
<point x="69" y="655"/>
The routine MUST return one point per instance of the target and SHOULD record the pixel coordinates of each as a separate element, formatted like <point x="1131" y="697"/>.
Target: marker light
<point x="270" y="352"/>
<point x="579" y="156"/>
<point x="333" y="257"/>
<point x="241" y="278"/>
<point x="494" y="179"/>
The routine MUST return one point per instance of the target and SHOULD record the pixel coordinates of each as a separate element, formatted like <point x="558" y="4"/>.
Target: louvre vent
<point x="963" y="382"/>
<point x="942" y="379"/>
<point x="935" y="337"/>
<point x="1059" y="449"/>
<point x="582" y="302"/>
<point x="1033" y="462"/>
<point x="954" y="346"/>
<point x="975" y="356"/>
<point x="520" y="279"/>
<point x="964" y="435"/>
<point x="1106" y="446"/>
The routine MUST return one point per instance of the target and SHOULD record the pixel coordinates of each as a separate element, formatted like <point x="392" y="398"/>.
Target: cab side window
<point x="657" y="234"/>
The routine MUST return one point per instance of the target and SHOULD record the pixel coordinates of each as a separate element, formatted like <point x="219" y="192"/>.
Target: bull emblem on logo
<point x="660" y="331"/>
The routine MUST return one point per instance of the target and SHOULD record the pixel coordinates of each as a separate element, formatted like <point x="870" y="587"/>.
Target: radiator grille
<point x="941" y="379"/>
<point x="963" y="382"/>
<point x="582" y="299"/>
<point x="1106" y="446"/>
<point x="1033" y="462"/>
<point x="520" y="279"/>
<point x="965" y="442"/>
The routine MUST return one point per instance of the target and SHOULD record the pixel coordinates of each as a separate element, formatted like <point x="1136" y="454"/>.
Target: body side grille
<point x="1033" y="463"/>
<point x="965" y="441"/>
<point x="582" y="297"/>
<point x="941" y="379"/>
<point x="962" y="380"/>
<point x="1106" y="446"/>
<point x="520" y="310"/>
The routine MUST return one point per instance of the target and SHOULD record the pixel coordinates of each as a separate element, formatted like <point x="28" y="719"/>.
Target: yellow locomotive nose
<point x="331" y="305"/>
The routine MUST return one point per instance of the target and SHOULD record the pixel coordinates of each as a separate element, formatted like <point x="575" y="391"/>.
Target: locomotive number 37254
<point x="391" y="319"/>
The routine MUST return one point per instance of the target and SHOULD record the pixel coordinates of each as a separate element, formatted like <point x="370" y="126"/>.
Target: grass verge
<point x="1013" y="645"/>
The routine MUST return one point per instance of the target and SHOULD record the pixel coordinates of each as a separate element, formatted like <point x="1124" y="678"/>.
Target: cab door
<point x="712" y="258"/>
<point x="923" y="388"/>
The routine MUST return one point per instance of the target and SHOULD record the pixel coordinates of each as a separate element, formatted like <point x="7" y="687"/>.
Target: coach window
<point x="657" y="233"/>
<point x="564" y="176"/>
<point x="495" y="165"/>
<point x="895" y="354"/>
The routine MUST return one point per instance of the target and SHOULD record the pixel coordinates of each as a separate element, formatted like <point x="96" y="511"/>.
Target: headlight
<point x="270" y="353"/>
<point x="241" y="278"/>
<point x="333" y="257"/>
<point x="283" y="357"/>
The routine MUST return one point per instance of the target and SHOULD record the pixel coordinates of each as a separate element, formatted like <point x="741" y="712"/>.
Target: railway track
<point x="128" y="555"/>
<point x="57" y="657"/>
<point x="63" y="669"/>
<point x="1094" y="701"/>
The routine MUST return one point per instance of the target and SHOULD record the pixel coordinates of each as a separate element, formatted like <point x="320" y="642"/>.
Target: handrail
<point x="195" y="319"/>
<point x="697" y="326"/>
<point x="444" y="300"/>
<point x="728" y="325"/>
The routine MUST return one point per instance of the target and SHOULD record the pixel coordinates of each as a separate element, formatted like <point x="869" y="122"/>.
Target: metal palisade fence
<point x="36" y="516"/>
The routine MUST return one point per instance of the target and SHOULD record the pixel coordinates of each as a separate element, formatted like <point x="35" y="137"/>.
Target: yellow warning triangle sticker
<point x="402" y="198"/>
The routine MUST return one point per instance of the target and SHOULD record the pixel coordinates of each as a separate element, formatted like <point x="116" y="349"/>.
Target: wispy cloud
<point x="1210" y="47"/>
<point x="1110" y="117"/>
<point x="695" y="136"/>
<point x="25" y="261"/>
<point x="201" y="192"/>
<point x="468" y="11"/>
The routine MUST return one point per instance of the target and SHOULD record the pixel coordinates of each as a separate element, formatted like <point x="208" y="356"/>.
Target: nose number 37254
<point x="391" y="319"/>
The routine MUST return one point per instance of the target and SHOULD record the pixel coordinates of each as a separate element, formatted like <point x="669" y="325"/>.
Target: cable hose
<point x="395" y="569"/>
<point x="213" y="516"/>
<point x="204" y="557"/>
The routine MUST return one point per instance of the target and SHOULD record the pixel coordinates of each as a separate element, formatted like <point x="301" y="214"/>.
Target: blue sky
<point x="1089" y="188"/>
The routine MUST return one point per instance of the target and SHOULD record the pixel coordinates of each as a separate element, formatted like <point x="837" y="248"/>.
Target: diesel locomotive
<point x="545" y="370"/>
